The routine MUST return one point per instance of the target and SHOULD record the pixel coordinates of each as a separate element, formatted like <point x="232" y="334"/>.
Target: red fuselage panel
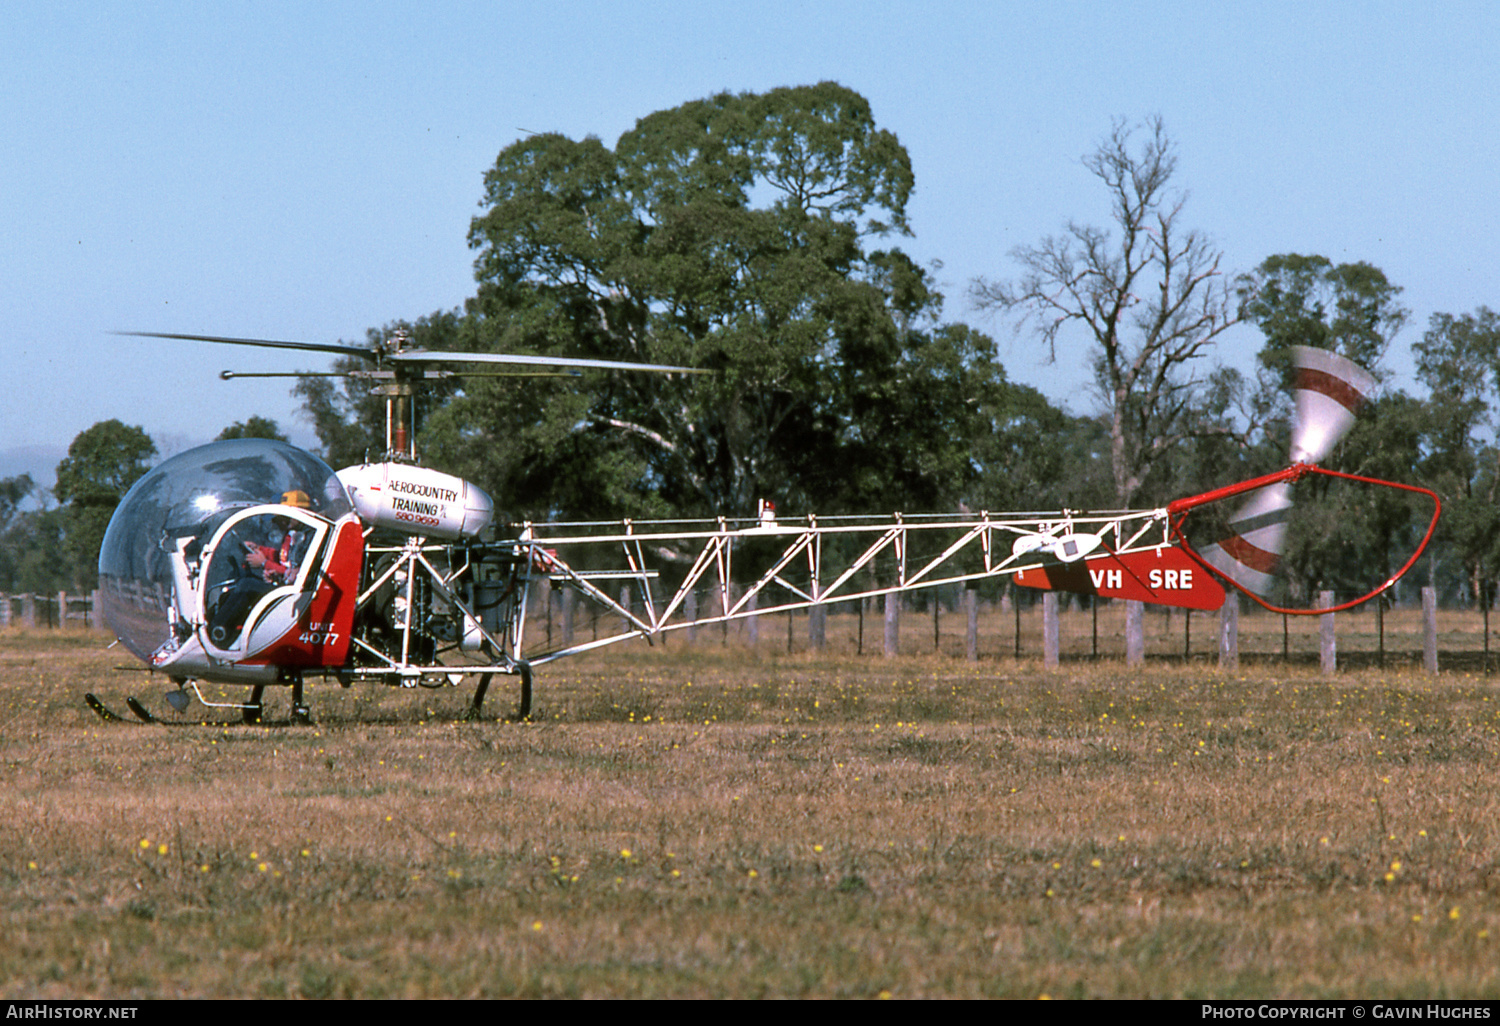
<point x="320" y="637"/>
<point x="1165" y="577"/>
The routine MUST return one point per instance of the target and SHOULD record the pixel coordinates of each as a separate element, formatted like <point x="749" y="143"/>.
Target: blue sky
<point x="309" y="170"/>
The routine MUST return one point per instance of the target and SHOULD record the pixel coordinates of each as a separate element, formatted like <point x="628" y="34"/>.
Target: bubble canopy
<point x="183" y="497"/>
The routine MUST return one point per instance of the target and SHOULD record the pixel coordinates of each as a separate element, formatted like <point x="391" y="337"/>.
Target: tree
<point x="33" y="556"/>
<point x="13" y="491"/>
<point x="1151" y="299"/>
<point x="255" y="427"/>
<point x="36" y="556"/>
<point x="1297" y="300"/>
<point x="730" y="233"/>
<point x="101" y="465"/>
<point x="922" y="432"/>
<point x="1033" y="455"/>
<point x="1458" y="359"/>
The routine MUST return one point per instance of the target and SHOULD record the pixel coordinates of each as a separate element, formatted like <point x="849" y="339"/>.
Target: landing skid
<point x="139" y="711"/>
<point x="103" y="711"/>
<point x="250" y="712"/>
<point x="523" y="707"/>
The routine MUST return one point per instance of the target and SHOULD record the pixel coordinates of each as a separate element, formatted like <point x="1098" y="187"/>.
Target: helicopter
<point x="252" y="562"/>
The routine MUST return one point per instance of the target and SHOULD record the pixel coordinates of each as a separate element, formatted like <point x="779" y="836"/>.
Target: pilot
<point x="278" y="563"/>
<point x="265" y="567"/>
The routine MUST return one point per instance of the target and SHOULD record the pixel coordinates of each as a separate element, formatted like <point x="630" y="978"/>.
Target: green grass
<point x="703" y="821"/>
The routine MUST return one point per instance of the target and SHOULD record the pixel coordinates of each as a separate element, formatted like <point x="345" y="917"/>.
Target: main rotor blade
<point x="420" y="356"/>
<point x="266" y="343"/>
<point x="229" y="375"/>
<point x="385" y="375"/>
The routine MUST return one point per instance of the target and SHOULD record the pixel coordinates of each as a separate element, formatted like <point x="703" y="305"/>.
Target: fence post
<point x="547" y="590"/>
<point x="1135" y="632"/>
<point x="1050" y="629"/>
<point x="752" y="622"/>
<point x="1484" y="603"/>
<point x="569" y="605"/>
<point x="4" y="610"/>
<point x="892" y="622"/>
<point x="28" y="610"/>
<point x="1380" y="630"/>
<point x="1328" y="638"/>
<point x="1429" y="630"/>
<point x="625" y="623"/>
<point x="1229" y="634"/>
<point x="690" y="610"/>
<point x="817" y="626"/>
<point x="971" y="630"/>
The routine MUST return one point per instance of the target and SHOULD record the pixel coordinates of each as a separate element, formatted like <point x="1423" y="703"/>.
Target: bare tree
<point x="1152" y="296"/>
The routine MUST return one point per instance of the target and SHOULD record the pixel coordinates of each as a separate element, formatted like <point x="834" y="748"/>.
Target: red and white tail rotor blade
<point x="1257" y="538"/>
<point x="1328" y="391"/>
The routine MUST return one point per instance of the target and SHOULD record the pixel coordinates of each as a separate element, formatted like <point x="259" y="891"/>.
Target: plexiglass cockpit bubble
<point x="176" y="505"/>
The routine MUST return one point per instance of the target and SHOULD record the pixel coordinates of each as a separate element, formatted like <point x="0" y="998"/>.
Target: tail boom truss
<point x="815" y="561"/>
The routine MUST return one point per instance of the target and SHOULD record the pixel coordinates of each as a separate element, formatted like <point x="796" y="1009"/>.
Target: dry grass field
<point x="705" y="821"/>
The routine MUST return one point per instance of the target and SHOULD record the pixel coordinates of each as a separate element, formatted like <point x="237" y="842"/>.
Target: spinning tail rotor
<point x="1328" y="392"/>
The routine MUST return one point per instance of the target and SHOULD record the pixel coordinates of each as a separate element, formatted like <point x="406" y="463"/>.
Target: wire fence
<point x="53" y="611"/>
<point x="1012" y="627"/>
<point x="1015" y="627"/>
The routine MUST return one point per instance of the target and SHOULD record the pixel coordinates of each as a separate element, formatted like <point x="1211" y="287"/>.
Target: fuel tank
<point x="417" y="500"/>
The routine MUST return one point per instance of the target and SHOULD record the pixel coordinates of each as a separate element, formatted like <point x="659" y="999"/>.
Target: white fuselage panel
<point x="417" y="500"/>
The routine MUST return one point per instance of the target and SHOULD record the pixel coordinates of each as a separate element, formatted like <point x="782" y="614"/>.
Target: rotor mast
<point x="400" y="403"/>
